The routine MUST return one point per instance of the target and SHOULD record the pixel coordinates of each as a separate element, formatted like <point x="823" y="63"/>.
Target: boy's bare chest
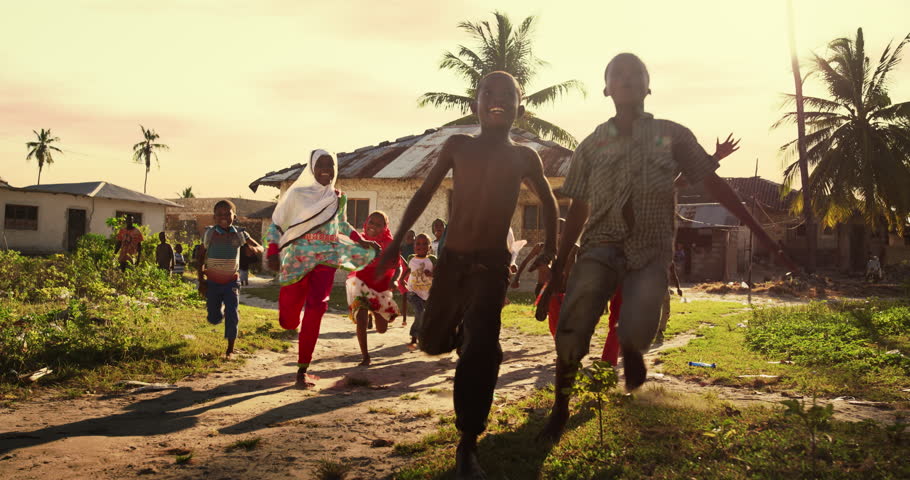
<point x="502" y="164"/>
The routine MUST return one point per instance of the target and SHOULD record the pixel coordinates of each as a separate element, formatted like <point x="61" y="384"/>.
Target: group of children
<point x="621" y="186"/>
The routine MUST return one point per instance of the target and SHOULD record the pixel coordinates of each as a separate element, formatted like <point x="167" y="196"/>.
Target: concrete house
<point x="43" y="219"/>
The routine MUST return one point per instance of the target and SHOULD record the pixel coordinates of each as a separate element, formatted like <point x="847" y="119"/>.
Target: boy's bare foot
<point x="305" y="380"/>
<point x="556" y="425"/>
<point x="412" y="346"/>
<point x="365" y="363"/>
<point x="466" y="465"/>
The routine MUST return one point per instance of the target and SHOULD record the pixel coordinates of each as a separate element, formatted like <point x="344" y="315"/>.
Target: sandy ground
<point x="397" y="399"/>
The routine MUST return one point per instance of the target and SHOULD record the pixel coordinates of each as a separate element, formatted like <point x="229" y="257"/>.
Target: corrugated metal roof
<point x="99" y="190"/>
<point x="705" y="215"/>
<point x="413" y="156"/>
<point x="766" y="192"/>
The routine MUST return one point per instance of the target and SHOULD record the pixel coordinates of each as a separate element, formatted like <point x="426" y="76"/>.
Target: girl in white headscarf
<point x="308" y="240"/>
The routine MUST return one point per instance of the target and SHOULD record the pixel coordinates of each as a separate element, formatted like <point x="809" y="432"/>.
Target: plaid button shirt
<point x="609" y="170"/>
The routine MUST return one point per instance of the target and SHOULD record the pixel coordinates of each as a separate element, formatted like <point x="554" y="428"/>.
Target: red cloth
<point x="553" y="311"/>
<point x="378" y="281"/>
<point x="611" y="346"/>
<point x="310" y="294"/>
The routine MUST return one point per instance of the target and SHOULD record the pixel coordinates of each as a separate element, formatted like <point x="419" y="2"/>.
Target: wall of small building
<point x="51" y="235"/>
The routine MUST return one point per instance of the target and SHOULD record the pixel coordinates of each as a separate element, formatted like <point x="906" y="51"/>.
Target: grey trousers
<point x="598" y="271"/>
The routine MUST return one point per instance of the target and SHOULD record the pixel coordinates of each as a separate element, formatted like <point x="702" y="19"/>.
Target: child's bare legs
<point x="230" y="348"/>
<point x="363" y="319"/>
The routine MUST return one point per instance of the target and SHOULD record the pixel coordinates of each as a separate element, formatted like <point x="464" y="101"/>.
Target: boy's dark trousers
<point x="468" y="290"/>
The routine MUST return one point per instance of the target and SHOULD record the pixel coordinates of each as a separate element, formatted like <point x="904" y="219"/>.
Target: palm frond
<point x="554" y="92"/>
<point x="447" y="101"/>
<point x="546" y="130"/>
<point x="468" y="72"/>
<point x="886" y="63"/>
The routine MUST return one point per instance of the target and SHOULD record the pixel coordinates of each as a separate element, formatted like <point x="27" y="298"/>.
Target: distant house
<point x="385" y="177"/>
<point x="719" y="246"/>
<point x="42" y="219"/>
<point x="188" y="220"/>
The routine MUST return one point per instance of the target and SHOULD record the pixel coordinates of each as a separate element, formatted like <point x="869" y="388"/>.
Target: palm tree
<point x="187" y="193"/>
<point x="42" y="149"/>
<point x="144" y="150"/>
<point x="501" y="47"/>
<point x="808" y="214"/>
<point x="858" y="141"/>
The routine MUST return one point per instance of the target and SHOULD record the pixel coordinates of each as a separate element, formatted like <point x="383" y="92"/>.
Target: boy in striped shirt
<point x="219" y="263"/>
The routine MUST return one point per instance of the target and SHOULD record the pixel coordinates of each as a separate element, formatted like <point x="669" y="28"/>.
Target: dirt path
<point x="398" y="399"/>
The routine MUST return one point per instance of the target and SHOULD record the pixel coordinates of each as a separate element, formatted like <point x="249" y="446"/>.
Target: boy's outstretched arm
<point x="721" y="191"/>
<point x="420" y="200"/>
<point x="577" y="216"/>
<point x="541" y="187"/>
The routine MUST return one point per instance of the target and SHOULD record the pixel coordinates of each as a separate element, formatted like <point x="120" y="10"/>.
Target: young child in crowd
<point x="439" y="232"/>
<point x="621" y="182"/>
<point x="308" y="240"/>
<point x="179" y="261"/>
<point x="369" y="291"/>
<point x="218" y="266"/>
<point x="472" y="275"/>
<point x="164" y="253"/>
<point x="419" y="279"/>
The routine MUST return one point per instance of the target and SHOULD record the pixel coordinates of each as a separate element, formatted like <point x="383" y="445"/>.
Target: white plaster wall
<point x="52" y="218"/>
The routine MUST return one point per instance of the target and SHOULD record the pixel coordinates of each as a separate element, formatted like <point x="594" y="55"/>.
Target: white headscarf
<point x="307" y="204"/>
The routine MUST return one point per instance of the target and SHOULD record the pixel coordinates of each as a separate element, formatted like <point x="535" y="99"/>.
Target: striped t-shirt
<point x="222" y="256"/>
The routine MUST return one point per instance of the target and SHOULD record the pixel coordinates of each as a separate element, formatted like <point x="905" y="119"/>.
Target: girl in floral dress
<point x="308" y="240"/>
<point x="369" y="291"/>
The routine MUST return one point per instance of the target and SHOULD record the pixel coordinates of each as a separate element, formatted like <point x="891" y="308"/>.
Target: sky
<point x="240" y="88"/>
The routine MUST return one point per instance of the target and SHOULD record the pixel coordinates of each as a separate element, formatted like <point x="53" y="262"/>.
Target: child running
<point x="419" y="279"/>
<point x="218" y="270"/>
<point x="370" y="295"/>
<point x="471" y="278"/>
<point x="308" y="240"/>
<point x="621" y="185"/>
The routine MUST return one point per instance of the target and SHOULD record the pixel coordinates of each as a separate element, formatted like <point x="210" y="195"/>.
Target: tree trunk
<point x="808" y="213"/>
<point x="39" y="174"/>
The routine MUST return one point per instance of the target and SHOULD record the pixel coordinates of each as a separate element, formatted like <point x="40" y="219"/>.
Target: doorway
<point x="75" y="227"/>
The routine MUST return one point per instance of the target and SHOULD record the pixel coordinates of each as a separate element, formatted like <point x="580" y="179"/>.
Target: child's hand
<point x="722" y="150"/>
<point x="389" y="258"/>
<point x="371" y="244"/>
<point x="542" y="260"/>
<point x="515" y="282"/>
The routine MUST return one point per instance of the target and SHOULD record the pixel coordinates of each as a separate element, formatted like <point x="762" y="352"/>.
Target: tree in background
<point x="858" y="140"/>
<point x="502" y="47"/>
<point x="187" y="193"/>
<point x="145" y="150"/>
<point x="42" y="149"/>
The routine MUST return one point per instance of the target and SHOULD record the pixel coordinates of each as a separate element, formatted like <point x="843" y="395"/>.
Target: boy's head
<point x="224" y="213"/>
<point x="439" y="227"/>
<point x="421" y="245"/>
<point x="324" y="169"/>
<point x="178" y="248"/>
<point x="376" y="224"/>
<point x="626" y="79"/>
<point x="409" y="237"/>
<point x="498" y="101"/>
<point x="162" y="237"/>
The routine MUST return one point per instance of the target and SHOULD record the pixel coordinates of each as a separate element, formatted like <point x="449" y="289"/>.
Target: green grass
<point x="246" y="444"/>
<point x="664" y="436"/>
<point x="129" y="343"/>
<point x="837" y="350"/>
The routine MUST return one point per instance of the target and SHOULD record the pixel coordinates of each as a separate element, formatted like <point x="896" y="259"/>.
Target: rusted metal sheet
<point x="413" y="156"/>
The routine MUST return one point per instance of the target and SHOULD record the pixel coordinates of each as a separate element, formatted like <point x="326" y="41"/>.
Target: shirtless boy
<point x="472" y="275"/>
